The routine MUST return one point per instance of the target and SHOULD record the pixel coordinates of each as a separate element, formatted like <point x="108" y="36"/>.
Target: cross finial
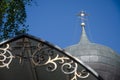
<point x="83" y="40"/>
<point x="82" y="15"/>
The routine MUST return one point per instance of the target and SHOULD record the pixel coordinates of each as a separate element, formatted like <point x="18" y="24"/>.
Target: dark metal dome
<point x="102" y="59"/>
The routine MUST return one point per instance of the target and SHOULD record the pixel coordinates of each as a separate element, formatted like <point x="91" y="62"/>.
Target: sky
<point x="56" y="21"/>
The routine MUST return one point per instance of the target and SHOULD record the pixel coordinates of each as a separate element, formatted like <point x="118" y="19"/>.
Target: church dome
<point x="102" y="59"/>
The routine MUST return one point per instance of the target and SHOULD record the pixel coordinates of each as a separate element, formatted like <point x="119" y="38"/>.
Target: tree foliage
<point x="12" y="18"/>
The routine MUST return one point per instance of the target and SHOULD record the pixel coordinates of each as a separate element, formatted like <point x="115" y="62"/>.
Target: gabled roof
<point x="61" y="55"/>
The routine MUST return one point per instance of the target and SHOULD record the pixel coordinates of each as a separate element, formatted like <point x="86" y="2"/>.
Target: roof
<point x="101" y="58"/>
<point x="27" y="57"/>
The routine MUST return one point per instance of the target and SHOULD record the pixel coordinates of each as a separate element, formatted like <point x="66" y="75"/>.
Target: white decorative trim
<point x="6" y="56"/>
<point x="68" y="66"/>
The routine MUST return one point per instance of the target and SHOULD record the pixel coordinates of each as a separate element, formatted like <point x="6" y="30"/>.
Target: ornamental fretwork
<point x="43" y="55"/>
<point x="5" y="57"/>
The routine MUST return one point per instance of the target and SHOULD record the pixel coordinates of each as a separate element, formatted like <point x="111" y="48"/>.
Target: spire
<point x="84" y="39"/>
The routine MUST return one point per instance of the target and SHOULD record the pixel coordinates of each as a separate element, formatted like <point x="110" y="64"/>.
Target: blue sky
<point x="56" y="21"/>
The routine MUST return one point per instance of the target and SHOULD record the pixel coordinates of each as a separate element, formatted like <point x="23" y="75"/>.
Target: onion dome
<point x="101" y="58"/>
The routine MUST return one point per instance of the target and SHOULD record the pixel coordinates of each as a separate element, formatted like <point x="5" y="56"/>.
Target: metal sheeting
<point x="101" y="58"/>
